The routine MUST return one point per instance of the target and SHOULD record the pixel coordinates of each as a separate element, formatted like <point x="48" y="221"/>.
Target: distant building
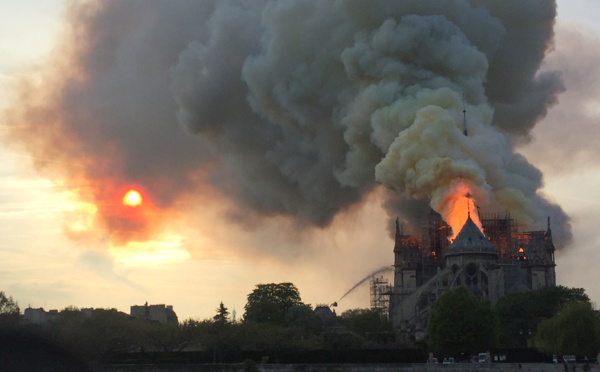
<point x="39" y="315"/>
<point x="35" y="316"/>
<point x="158" y="313"/>
<point x="325" y="313"/>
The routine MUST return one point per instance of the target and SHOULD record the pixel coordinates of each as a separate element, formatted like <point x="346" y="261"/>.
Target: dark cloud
<point x="569" y="139"/>
<point x="520" y="94"/>
<point x="287" y="108"/>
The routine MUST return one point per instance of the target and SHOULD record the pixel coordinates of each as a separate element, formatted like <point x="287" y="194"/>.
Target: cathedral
<point x="498" y="261"/>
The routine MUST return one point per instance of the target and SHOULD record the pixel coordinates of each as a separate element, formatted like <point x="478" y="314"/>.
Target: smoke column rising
<point x="294" y="109"/>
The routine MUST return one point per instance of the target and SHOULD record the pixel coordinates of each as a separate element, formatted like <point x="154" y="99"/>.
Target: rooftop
<point x="470" y="240"/>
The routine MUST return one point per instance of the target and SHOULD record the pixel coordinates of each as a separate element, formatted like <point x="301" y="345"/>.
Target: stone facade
<point x="490" y="264"/>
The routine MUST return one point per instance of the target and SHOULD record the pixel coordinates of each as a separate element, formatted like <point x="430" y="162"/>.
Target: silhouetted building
<point x="158" y="313"/>
<point x="326" y="315"/>
<point x="35" y="316"/>
<point x="39" y="315"/>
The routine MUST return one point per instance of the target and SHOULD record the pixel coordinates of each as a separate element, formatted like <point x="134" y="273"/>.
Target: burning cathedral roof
<point x="470" y="240"/>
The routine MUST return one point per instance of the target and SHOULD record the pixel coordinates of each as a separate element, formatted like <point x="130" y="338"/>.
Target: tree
<point x="222" y="316"/>
<point x="103" y="331"/>
<point x="193" y="333"/>
<point x="275" y="339"/>
<point x="366" y="321"/>
<point x="573" y="330"/>
<point x="520" y="313"/>
<point x="304" y="319"/>
<point x="7" y="305"/>
<point x="269" y="303"/>
<point x="342" y="340"/>
<point x="461" y="323"/>
<point x="9" y="310"/>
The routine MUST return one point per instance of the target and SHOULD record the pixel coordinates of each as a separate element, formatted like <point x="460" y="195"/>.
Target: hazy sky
<point x="196" y="262"/>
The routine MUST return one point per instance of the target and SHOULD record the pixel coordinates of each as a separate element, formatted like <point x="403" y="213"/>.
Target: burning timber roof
<point x="470" y="240"/>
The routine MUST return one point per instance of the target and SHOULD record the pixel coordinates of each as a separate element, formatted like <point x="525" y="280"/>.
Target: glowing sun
<point x="132" y="198"/>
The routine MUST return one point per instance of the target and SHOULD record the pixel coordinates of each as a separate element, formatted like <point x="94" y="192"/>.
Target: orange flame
<point x="457" y="207"/>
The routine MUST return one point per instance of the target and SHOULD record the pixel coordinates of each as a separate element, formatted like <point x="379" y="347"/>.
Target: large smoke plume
<point x="295" y="108"/>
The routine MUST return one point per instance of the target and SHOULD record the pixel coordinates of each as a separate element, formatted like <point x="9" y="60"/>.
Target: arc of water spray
<point x="380" y="270"/>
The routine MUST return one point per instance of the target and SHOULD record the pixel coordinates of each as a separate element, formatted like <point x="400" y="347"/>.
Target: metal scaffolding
<point x="380" y="294"/>
<point x="501" y="231"/>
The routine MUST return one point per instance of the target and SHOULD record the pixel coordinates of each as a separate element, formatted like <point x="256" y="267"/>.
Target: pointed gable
<point x="470" y="240"/>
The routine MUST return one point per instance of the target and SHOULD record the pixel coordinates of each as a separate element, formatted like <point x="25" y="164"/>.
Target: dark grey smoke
<point x="573" y="124"/>
<point x="289" y="106"/>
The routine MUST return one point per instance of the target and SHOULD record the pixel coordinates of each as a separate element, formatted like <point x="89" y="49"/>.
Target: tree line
<point x="552" y="320"/>
<point x="275" y="322"/>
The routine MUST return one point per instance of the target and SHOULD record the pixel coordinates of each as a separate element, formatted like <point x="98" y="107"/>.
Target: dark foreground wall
<point x="347" y="356"/>
<point x="495" y="367"/>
